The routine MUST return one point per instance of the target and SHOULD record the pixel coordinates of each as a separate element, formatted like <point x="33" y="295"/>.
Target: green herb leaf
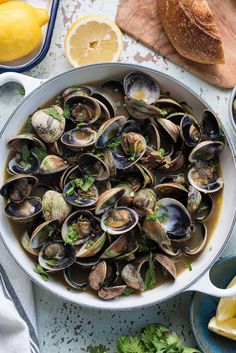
<point x="114" y="143"/>
<point x="72" y="235"/>
<point x="150" y="280"/>
<point x="53" y="113"/>
<point x="80" y="125"/>
<point x="162" y="152"/>
<point x="67" y="112"/>
<point x="99" y="154"/>
<point x="25" y="165"/>
<point x="39" y="152"/>
<point x="25" y="153"/>
<point x="118" y="104"/>
<point x="128" y="291"/>
<point x="163" y="113"/>
<point x="43" y="274"/>
<point x="97" y="349"/>
<point x="59" y="100"/>
<point x="129" y="344"/>
<point x="188" y="266"/>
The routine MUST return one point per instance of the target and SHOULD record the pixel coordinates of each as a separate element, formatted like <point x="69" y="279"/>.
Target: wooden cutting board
<point x="139" y="18"/>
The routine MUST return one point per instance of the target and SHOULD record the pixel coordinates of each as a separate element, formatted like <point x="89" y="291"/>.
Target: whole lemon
<point x="20" y="29"/>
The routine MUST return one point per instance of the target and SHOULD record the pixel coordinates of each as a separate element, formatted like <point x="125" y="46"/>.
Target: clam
<point x="141" y="87"/>
<point x="119" y="220"/>
<point x="194" y="200"/>
<point x="79" y="138"/>
<point x="105" y="103"/>
<point x="143" y="200"/>
<point x="167" y="264"/>
<point x="108" y="293"/>
<point x="132" y="277"/>
<point x="197" y="242"/>
<point x="131" y="149"/>
<point x="24" y="211"/>
<point x="210" y="126"/>
<point x="83" y="109"/>
<point x="19" y="165"/>
<point x="139" y="110"/>
<point x="55" y="207"/>
<point x="175" y="178"/>
<point x="97" y="276"/>
<point x="109" y="161"/>
<point x="72" y="172"/>
<point x="29" y="140"/>
<point x="49" y="123"/>
<point x="18" y="187"/>
<point x="174" y="217"/>
<point x="76" y="91"/>
<point x="75" y="277"/>
<point x="170" y="128"/>
<point x="25" y="242"/>
<point x="204" y="209"/>
<point x="92" y="246"/>
<point x="93" y="166"/>
<point x="109" y="130"/>
<point x="79" y="227"/>
<point x="152" y="136"/>
<point x="206" y="151"/>
<point x="153" y="159"/>
<point x="168" y="105"/>
<point x="173" y="190"/>
<point x="43" y="232"/>
<point x="52" y="164"/>
<point x="108" y="199"/>
<point x="190" y="131"/>
<point x="55" y="255"/>
<point x="81" y="192"/>
<point x="116" y="248"/>
<point x="128" y="196"/>
<point x="205" y="178"/>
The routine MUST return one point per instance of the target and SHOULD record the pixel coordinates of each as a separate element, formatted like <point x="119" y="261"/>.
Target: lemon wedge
<point x="226" y="308"/>
<point x="225" y="328"/>
<point x="93" y="39"/>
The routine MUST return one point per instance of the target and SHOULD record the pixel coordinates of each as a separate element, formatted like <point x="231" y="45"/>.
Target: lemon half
<point x="226" y="308"/>
<point x="225" y="328"/>
<point x="93" y="39"/>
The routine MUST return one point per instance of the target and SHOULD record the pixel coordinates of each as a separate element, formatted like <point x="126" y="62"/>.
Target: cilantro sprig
<point x="43" y="274"/>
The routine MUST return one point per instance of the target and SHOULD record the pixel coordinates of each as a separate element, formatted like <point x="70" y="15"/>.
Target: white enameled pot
<point x="37" y="93"/>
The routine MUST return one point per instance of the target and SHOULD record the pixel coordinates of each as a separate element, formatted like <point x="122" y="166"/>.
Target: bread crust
<point x="192" y="30"/>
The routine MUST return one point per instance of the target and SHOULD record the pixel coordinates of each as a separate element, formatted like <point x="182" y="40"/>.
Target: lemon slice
<point x="93" y="39"/>
<point x="226" y="308"/>
<point x="225" y="328"/>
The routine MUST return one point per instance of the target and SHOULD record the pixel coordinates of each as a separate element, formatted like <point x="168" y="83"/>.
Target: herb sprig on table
<point x="155" y="338"/>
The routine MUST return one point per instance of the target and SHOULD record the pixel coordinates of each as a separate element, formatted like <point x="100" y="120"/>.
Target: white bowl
<point x="186" y="280"/>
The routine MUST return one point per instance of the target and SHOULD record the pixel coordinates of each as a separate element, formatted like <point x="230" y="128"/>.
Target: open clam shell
<point x="18" y="187"/>
<point x="55" y="255"/>
<point x="79" y="138"/>
<point x="94" y="166"/>
<point x="118" y="221"/>
<point x="108" y="199"/>
<point x="25" y="211"/>
<point x="108" y="130"/>
<point x="92" y="246"/>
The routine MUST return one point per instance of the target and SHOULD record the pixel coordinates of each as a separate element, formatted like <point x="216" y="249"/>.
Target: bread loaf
<point x="192" y="30"/>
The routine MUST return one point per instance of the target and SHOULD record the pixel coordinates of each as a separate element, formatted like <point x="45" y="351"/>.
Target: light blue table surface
<point x="64" y="327"/>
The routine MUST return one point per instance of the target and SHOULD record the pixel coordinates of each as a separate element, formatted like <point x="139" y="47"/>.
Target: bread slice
<point x="192" y="30"/>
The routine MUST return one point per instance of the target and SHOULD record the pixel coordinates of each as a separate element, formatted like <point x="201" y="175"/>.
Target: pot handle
<point x="29" y="83"/>
<point x="204" y="285"/>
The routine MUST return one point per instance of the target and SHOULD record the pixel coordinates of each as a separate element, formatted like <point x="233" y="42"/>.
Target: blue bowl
<point x="40" y="56"/>
<point x="203" y="308"/>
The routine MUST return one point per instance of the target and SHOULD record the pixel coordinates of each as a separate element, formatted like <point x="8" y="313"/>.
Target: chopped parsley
<point x="66" y="111"/>
<point x="59" y="100"/>
<point x="79" y="202"/>
<point x="25" y="153"/>
<point x="80" y="126"/>
<point x="133" y="154"/>
<point x="150" y="280"/>
<point x="157" y="217"/>
<point x="114" y="143"/>
<point x="99" y="154"/>
<point x="89" y="244"/>
<point x="161" y="152"/>
<point x="128" y="291"/>
<point x="25" y="165"/>
<point x="53" y="113"/>
<point x="83" y="184"/>
<point x="72" y="235"/>
<point x="39" y="152"/>
<point x="188" y="266"/>
<point x="43" y="274"/>
<point x="163" y="113"/>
